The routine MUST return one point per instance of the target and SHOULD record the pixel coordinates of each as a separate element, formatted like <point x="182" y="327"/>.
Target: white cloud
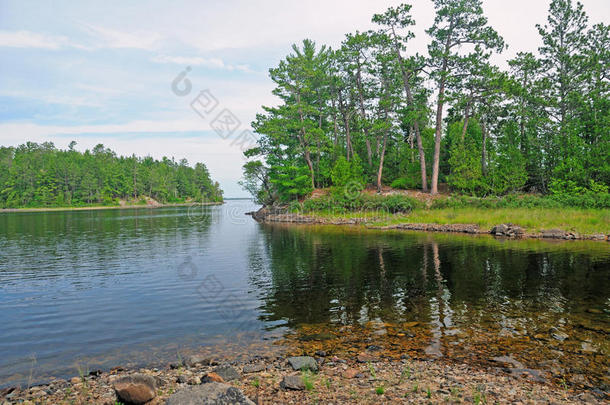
<point x="28" y="130"/>
<point x="110" y="38"/>
<point x="215" y="63"/>
<point x="28" y="39"/>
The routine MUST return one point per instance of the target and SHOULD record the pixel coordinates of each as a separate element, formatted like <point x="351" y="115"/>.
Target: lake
<point x="81" y="290"/>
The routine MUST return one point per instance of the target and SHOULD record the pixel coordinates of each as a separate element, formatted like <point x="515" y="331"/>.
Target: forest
<point x="374" y="113"/>
<point x="40" y="175"/>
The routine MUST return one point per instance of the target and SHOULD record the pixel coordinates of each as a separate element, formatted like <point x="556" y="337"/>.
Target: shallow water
<point x="93" y="289"/>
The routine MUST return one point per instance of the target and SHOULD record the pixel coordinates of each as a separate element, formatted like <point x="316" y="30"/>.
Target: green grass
<point x="380" y="390"/>
<point x="584" y="221"/>
<point x="307" y="381"/>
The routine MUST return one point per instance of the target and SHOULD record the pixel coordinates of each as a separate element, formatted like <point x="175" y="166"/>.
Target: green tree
<point x="458" y="24"/>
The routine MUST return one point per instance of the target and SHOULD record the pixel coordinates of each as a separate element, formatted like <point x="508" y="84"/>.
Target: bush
<point x="339" y="204"/>
<point x="406" y="183"/>
<point x="344" y="173"/>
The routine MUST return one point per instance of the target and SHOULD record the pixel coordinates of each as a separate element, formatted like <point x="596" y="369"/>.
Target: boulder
<point x="227" y="373"/>
<point x="212" y="377"/>
<point x="293" y="382"/>
<point x="553" y="234"/>
<point x="303" y="363"/>
<point x="499" y="229"/>
<point x="253" y="368"/>
<point x="209" y="394"/>
<point x="196" y="360"/>
<point x="509" y="230"/>
<point x="135" y="389"/>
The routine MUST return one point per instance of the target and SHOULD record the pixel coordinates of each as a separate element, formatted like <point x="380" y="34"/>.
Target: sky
<point x="110" y="71"/>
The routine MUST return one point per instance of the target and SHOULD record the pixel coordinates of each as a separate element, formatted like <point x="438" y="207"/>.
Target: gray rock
<point x="509" y="230"/>
<point x="499" y="229"/>
<point x="135" y="389"/>
<point x="254" y="368"/>
<point x="321" y="353"/>
<point x="209" y="394"/>
<point x="303" y="363"/>
<point x="197" y="360"/>
<point x="227" y="373"/>
<point x="553" y="234"/>
<point x="293" y="382"/>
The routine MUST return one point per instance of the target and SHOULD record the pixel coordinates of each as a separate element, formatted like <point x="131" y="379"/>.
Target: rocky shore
<point x="279" y="215"/>
<point x="319" y="378"/>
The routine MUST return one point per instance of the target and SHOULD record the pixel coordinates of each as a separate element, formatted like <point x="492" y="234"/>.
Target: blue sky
<point x="101" y="72"/>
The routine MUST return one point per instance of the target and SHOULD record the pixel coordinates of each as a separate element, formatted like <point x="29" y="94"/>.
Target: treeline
<point x="40" y="175"/>
<point x="373" y="112"/>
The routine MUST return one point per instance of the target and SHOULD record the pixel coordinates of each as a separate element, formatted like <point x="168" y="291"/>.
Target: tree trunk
<point x="466" y="117"/>
<point x="363" y="114"/>
<point x="439" y="116"/>
<point x="380" y="170"/>
<point x="484" y="149"/>
<point x="420" y="146"/>
<point x="345" y="115"/>
<point x="304" y="143"/>
<point x="310" y="165"/>
<point x="335" y="126"/>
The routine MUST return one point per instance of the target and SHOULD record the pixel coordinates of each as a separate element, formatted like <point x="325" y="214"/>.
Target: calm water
<point x="97" y="289"/>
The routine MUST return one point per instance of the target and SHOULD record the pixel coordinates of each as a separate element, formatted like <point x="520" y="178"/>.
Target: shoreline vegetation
<point x="517" y="217"/>
<point x="527" y="144"/>
<point x="108" y="207"/>
<point x="36" y="175"/>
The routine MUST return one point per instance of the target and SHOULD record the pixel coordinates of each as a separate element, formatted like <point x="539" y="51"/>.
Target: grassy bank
<point x="533" y="213"/>
<point x="584" y="221"/>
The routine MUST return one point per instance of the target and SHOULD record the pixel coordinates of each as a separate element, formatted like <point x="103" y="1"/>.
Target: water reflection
<point x="134" y="287"/>
<point x="546" y="305"/>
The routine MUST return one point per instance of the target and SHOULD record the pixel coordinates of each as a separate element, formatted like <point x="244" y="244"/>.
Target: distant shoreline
<point x="102" y="207"/>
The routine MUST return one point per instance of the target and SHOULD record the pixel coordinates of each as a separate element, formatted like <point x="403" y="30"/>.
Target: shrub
<point x="362" y="202"/>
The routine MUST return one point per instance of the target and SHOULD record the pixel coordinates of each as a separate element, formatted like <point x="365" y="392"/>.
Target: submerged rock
<point x="508" y="360"/>
<point x="135" y="389"/>
<point x="303" y="363"/>
<point x="209" y="394"/>
<point x="561" y="336"/>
